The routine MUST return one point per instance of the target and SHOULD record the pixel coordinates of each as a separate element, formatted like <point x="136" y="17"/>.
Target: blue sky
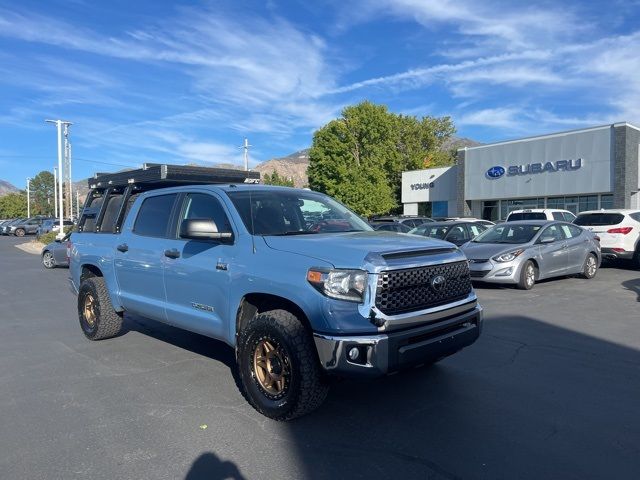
<point x="165" y="81"/>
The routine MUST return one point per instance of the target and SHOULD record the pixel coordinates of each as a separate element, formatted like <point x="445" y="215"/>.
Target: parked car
<point x="28" y="226"/>
<point x="6" y="229"/>
<point x="457" y="233"/>
<point x="524" y="252"/>
<point x="56" y="253"/>
<point x="52" y="225"/>
<point x="240" y="263"/>
<point x="487" y="223"/>
<point x="619" y="232"/>
<point x="408" y="220"/>
<point x="541" y="214"/>
<point x="4" y="223"/>
<point x="390" y="227"/>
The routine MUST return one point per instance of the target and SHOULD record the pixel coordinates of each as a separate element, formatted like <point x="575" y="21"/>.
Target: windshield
<point x="437" y="231"/>
<point x="508" y="234"/>
<point x="295" y="212"/>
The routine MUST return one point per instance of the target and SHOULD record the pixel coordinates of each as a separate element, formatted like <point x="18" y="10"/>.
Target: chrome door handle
<point x="173" y="253"/>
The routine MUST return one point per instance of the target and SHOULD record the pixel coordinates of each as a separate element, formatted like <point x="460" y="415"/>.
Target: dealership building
<point x="577" y="170"/>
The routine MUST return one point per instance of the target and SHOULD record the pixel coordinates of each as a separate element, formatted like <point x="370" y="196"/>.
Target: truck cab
<point x="301" y="287"/>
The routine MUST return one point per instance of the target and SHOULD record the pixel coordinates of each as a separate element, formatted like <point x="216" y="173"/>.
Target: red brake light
<point x="622" y="230"/>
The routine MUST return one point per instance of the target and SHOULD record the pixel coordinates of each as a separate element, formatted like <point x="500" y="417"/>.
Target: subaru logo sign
<point x="495" y="172"/>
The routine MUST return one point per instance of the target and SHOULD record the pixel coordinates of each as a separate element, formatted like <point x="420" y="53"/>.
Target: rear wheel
<point x="590" y="267"/>
<point x="20" y="232"/>
<point x="527" y="276"/>
<point x="280" y="373"/>
<point x="47" y="260"/>
<point x="97" y="317"/>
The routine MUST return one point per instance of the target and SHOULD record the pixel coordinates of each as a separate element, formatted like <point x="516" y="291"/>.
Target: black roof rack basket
<point x="165" y="175"/>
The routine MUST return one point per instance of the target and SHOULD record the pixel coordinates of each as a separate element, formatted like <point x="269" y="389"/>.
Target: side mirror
<point x="202" y="229"/>
<point x="547" y="240"/>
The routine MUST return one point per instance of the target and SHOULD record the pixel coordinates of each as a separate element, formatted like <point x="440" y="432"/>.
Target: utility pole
<point x="245" y="147"/>
<point x="55" y="191"/>
<point x="78" y="205"/>
<point x="28" y="198"/>
<point x="67" y="168"/>
<point x="59" y="124"/>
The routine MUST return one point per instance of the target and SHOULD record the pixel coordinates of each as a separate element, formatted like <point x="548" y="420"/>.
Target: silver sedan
<point x="56" y="253"/>
<point x="524" y="252"/>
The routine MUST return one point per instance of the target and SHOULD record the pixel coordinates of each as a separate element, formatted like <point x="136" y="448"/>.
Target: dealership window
<point x="507" y="206"/>
<point x="490" y="210"/>
<point x="606" y="201"/>
<point x="588" y="202"/>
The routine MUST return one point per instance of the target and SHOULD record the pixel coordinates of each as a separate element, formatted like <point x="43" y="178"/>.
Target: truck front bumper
<point x="389" y="352"/>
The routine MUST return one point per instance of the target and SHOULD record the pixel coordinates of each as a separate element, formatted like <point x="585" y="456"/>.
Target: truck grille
<point x="410" y="290"/>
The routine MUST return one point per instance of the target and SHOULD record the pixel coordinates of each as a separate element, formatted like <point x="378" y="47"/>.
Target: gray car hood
<point x="349" y="250"/>
<point x="481" y="251"/>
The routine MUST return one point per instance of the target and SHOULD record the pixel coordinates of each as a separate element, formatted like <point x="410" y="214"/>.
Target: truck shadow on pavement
<point x="528" y="400"/>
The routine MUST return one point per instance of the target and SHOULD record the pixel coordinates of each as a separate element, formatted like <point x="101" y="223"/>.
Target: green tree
<point x="359" y="158"/>
<point x="13" y="205"/>
<point x="42" y="192"/>
<point x="275" y="179"/>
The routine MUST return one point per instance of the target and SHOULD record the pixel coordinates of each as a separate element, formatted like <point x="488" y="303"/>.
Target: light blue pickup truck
<point x="296" y="283"/>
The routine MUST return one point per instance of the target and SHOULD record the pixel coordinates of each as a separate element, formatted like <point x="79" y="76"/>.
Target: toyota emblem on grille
<point x="438" y="283"/>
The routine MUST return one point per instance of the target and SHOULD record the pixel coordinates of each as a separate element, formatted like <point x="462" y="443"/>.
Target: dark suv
<point x="28" y="226"/>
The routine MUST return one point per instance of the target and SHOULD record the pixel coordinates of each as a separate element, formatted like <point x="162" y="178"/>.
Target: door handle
<point x="173" y="253"/>
<point x="123" y="247"/>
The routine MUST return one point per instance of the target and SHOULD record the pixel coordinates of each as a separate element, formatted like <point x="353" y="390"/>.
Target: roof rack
<point x="154" y="175"/>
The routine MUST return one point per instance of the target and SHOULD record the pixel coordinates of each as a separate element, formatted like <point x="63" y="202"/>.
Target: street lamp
<point x="28" y="198"/>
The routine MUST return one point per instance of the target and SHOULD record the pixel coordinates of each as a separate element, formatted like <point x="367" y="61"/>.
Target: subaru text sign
<point x="533" y="168"/>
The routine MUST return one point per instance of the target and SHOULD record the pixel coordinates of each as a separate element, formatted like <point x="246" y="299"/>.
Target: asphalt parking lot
<point x="551" y="390"/>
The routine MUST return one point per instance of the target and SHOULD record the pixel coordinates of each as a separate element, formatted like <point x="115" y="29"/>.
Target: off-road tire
<point x="306" y="387"/>
<point x="107" y="322"/>
<point x="589" y="269"/>
<point x="20" y="232"/>
<point x="526" y="282"/>
<point x="48" y="260"/>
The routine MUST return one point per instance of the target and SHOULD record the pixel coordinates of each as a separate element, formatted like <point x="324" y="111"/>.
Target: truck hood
<point x="354" y="249"/>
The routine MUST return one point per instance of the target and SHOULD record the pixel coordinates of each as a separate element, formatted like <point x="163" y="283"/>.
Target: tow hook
<point x="378" y="322"/>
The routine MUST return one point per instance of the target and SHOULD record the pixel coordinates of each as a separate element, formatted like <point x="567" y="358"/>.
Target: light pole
<point x="28" y="198"/>
<point x="55" y="191"/>
<point x="59" y="124"/>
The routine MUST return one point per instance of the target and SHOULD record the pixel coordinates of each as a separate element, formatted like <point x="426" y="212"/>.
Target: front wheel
<point x="20" y="232"/>
<point x="47" y="260"/>
<point x="97" y="317"/>
<point x="590" y="267"/>
<point x="279" y="370"/>
<point x="527" y="276"/>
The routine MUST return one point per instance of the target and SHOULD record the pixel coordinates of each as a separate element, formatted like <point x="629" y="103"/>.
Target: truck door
<point x="197" y="272"/>
<point x="139" y="257"/>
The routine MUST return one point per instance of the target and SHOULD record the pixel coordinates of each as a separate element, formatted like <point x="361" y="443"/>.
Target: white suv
<point x="541" y="214"/>
<point x="619" y="232"/>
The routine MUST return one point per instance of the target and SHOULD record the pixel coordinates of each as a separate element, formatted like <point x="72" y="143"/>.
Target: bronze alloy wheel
<point x="271" y="367"/>
<point x="89" y="310"/>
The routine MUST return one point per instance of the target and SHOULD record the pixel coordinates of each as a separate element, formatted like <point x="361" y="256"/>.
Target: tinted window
<point x="153" y="217"/>
<point x="635" y="216"/>
<point x="294" y="212"/>
<point x="201" y="205"/>
<point x="553" y="231"/>
<point x="558" y="216"/>
<point x="514" y="217"/>
<point x="595" y="219"/>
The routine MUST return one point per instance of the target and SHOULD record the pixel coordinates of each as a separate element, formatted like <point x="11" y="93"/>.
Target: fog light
<point x="354" y="353"/>
<point x="505" y="273"/>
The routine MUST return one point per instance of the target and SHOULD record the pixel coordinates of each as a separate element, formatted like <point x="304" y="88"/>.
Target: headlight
<point x="350" y="285"/>
<point x="509" y="256"/>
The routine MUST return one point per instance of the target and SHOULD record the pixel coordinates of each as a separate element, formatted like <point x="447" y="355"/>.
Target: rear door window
<point x="598" y="219"/>
<point x="558" y="216"/>
<point x="154" y="216"/>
